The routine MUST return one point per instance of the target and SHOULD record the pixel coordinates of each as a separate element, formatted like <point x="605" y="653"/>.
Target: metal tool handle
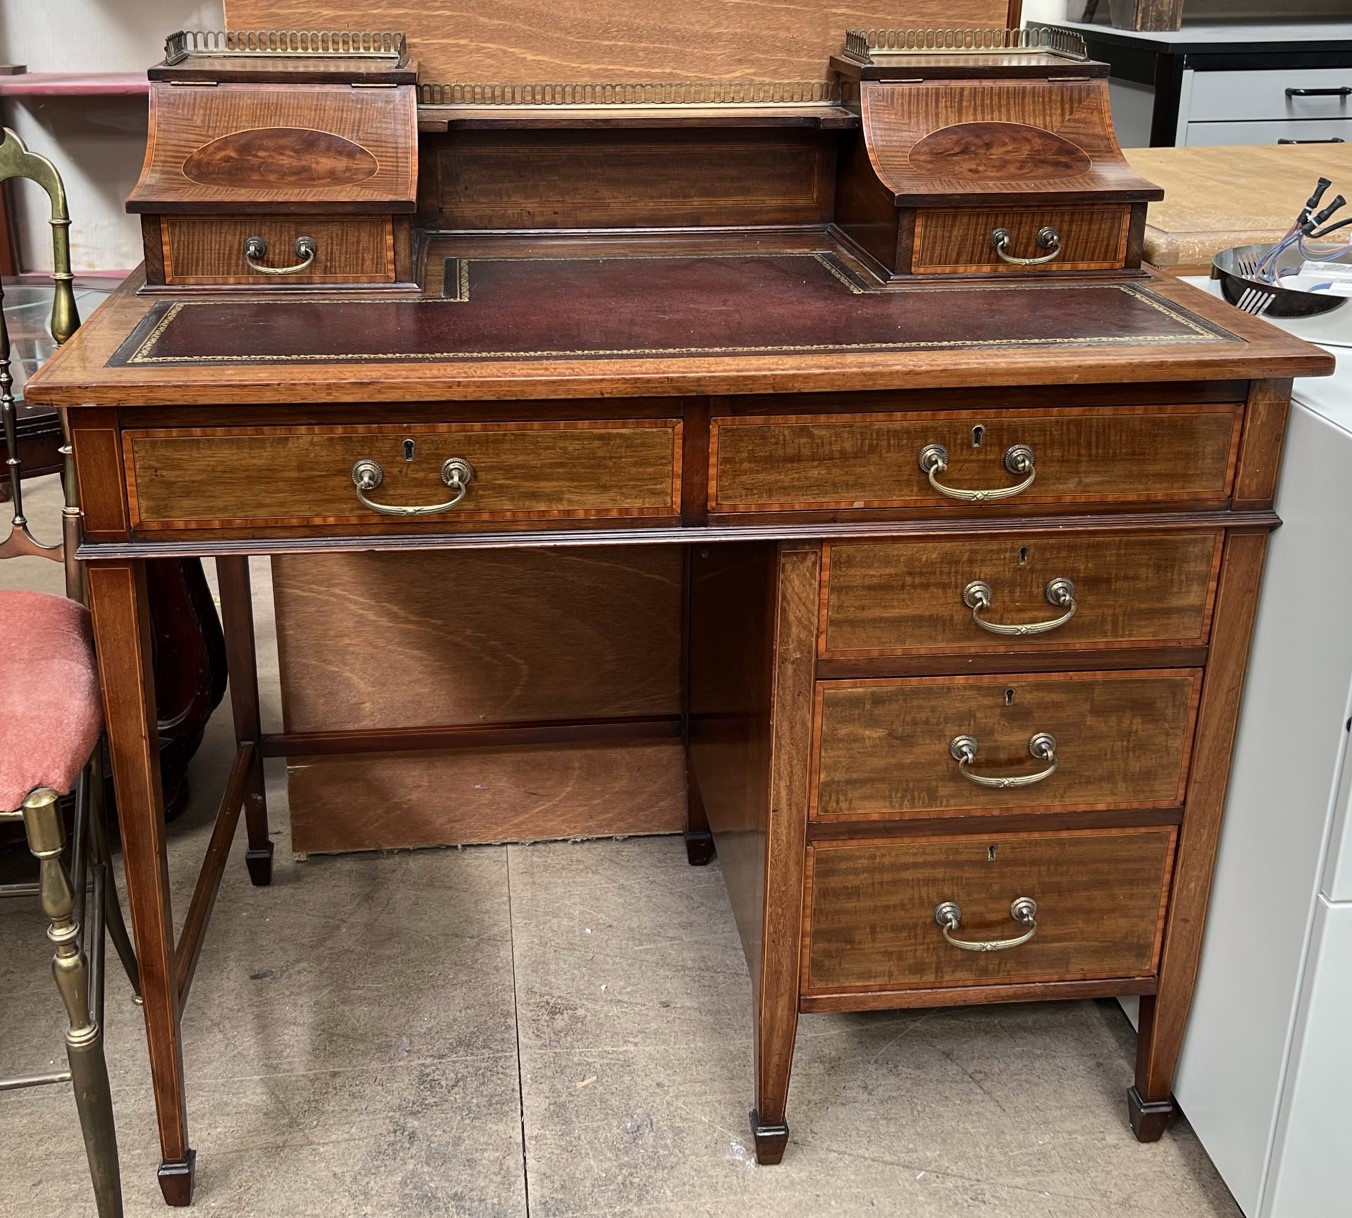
<point x="1041" y="747"/>
<point x="1047" y="238"/>
<point x="456" y="472"/>
<point x="1019" y="459"/>
<point x="948" y="914"/>
<point x="256" y="248"/>
<point x="977" y="597"/>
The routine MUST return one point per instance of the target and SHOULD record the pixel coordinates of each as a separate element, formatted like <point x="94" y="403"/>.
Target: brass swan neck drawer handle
<point x="948" y="914"/>
<point x="1060" y="592"/>
<point x="1047" y="238"/>
<point x="456" y="472"/>
<point x="1019" y="460"/>
<point x="1042" y="747"/>
<point x="255" y="248"/>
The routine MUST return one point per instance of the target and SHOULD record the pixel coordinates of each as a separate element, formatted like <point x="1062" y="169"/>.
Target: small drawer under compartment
<point x="433" y="474"/>
<point x="1023" y="239"/>
<point x="877" y="911"/>
<point x="1023" y="592"/>
<point x="278" y="250"/>
<point x="948" y="746"/>
<point x="1002" y="460"/>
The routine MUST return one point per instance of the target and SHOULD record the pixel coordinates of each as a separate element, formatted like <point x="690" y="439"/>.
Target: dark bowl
<point x="1229" y="266"/>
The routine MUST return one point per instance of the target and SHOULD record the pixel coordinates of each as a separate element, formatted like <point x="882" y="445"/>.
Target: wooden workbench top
<point x="1215" y="198"/>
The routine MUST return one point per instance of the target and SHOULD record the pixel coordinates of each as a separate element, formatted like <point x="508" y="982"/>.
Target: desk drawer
<point x="303" y="476"/>
<point x="1081" y="458"/>
<point x="885" y="749"/>
<point x="347" y="249"/>
<point x="1125" y="590"/>
<point x="871" y="925"/>
<point x="954" y="241"/>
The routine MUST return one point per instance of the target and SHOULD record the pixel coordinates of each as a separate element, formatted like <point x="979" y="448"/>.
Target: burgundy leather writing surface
<point x="553" y="308"/>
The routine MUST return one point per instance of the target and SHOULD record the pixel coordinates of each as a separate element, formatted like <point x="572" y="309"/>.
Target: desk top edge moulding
<point x="871" y="340"/>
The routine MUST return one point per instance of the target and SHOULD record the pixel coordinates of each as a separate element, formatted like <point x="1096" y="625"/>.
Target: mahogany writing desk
<point x="971" y="562"/>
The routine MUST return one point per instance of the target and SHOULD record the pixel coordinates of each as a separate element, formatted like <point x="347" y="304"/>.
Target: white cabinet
<point x="1266" y="1072"/>
<point x="1227" y="82"/>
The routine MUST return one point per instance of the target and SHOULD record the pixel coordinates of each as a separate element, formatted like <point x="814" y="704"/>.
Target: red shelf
<point x="74" y="84"/>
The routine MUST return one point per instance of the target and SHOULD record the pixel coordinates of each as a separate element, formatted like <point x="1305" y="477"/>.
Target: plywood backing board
<point x="621" y="41"/>
<point x="372" y="641"/>
<point x="1219" y="197"/>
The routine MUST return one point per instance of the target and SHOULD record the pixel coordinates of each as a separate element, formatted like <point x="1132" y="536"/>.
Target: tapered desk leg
<point x="242" y="664"/>
<point x="1164" y="1015"/>
<point x="117" y="600"/>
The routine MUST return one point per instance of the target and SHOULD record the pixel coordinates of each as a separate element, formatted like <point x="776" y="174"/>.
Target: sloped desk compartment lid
<point x="269" y="148"/>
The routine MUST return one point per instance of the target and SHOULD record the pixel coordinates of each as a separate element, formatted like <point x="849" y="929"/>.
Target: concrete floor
<point x="556" y="1030"/>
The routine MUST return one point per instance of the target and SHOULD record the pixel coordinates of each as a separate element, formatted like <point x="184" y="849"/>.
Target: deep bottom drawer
<point x="871" y="925"/>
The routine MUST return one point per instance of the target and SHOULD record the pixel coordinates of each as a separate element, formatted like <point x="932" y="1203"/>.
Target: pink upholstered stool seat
<point x="50" y="713"/>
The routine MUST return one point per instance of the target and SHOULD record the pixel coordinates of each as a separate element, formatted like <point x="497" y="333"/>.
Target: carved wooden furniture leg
<point x="117" y="600"/>
<point x="1164" y="1015"/>
<point x="237" y="620"/>
<point x="70" y="965"/>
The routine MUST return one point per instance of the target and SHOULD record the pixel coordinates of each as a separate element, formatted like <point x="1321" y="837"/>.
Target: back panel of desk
<point x="372" y="642"/>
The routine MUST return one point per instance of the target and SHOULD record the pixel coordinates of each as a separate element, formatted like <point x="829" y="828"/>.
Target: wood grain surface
<point x="302" y="475"/>
<point x="1123" y="740"/>
<point x="370" y="641"/>
<point x="187" y="169"/>
<point x="522" y="793"/>
<point x="977" y="139"/>
<point x="348" y="249"/>
<point x="625" y="40"/>
<point x="1092" y="238"/>
<point x="1082" y="458"/>
<point x="382" y="641"/>
<point x="1100" y="895"/>
<point x="906" y="597"/>
<point x="1216" y="198"/>
<point x="651" y="179"/>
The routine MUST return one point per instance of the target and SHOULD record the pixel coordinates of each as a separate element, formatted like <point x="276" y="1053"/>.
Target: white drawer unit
<point x="1286" y="93"/>
<point x="1227" y="82"/>
<point x="1266" y="1068"/>
<point x="1196" y="135"/>
<point x="1265" y="107"/>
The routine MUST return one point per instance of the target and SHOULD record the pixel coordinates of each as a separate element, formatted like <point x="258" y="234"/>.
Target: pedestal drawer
<point x="307" y="476"/>
<point x="1100" y="896"/>
<point x="1061" y="742"/>
<point x="1054" y="460"/>
<point x="1030" y="592"/>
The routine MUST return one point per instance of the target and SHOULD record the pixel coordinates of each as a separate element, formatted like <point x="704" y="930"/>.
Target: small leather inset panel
<point x="270" y="157"/>
<point x="1002" y="151"/>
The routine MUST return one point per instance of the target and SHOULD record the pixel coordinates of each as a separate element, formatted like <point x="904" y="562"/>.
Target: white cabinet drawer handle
<point x="1041" y="747"/>
<point x="1019" y="459"/>
<point x="1060" y="592"/>
<point x="948" y="914"/>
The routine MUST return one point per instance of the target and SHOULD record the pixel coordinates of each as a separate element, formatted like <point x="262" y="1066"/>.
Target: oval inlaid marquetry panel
<point x="998" y="151"/>
<point x="280" y="156"/>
